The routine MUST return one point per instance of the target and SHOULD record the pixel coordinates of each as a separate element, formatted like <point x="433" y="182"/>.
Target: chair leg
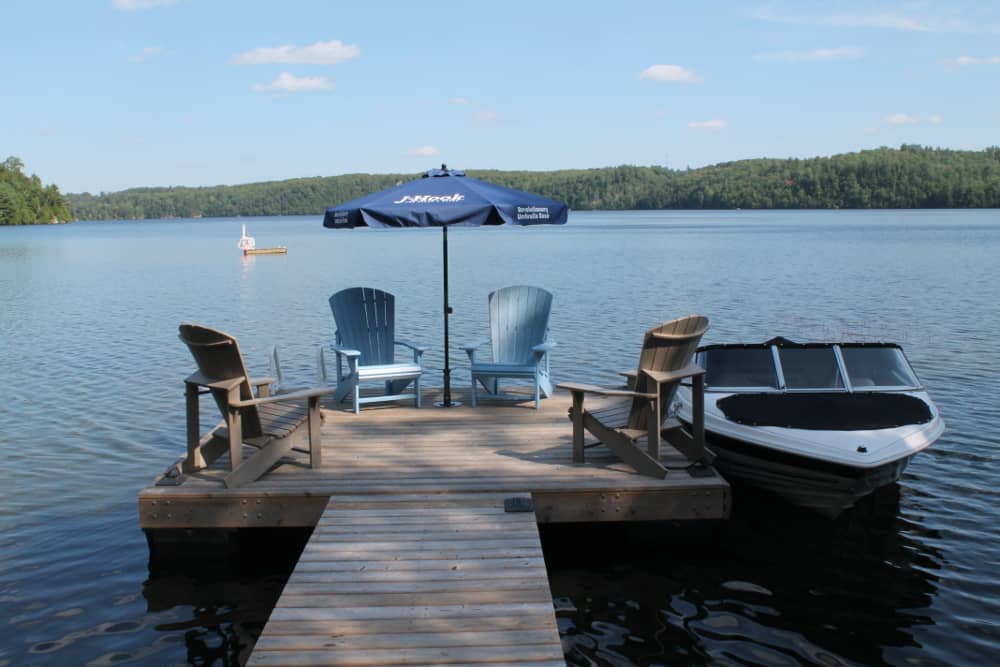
<point x="357" y="398"/>
<point x="474" y="390"/>
<point x="344" y="387"/>
<point x="315" y="444"/>
<point x="416" y="389"/>
<point x="538" y="398"/>
<point x="577" y="415"/>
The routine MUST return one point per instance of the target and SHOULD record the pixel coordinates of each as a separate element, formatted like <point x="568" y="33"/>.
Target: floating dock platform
<point x="279" y="250"/>
<point x="413" y="558"/>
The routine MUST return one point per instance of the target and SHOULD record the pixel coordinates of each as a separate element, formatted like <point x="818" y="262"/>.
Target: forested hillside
<point x="25" y="201"/>
<point x="908" y="177"/>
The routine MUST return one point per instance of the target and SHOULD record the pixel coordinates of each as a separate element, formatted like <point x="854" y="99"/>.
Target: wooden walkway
<point x="432" y="581"/>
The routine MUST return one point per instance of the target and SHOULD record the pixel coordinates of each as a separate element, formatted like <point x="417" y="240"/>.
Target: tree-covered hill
<point x="908" y="177"/>
<point x="25" y="201"/>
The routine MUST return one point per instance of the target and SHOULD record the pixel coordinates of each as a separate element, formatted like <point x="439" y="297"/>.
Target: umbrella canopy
<point x="443" y="198"/>
<point x="446" y="197"/>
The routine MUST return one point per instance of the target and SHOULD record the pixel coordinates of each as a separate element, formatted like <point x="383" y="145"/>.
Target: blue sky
<point x="104" y="95"/>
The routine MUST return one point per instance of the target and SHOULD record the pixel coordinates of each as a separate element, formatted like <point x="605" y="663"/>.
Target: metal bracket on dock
<point x="518" y="504"/>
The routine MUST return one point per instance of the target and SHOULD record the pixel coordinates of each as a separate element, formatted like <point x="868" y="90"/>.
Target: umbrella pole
<point x="447" y="402"/>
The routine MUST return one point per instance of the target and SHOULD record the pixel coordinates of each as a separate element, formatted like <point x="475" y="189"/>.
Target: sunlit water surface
<point x="93" y="372"/>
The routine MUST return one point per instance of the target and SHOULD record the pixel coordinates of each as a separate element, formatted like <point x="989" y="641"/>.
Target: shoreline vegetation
<point x="910" y="176"/>
<point x="25" y="201"/>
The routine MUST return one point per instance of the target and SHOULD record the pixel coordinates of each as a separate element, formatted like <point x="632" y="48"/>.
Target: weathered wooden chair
<point x="273" y="425"/>
<point x="519" y="338"/>
<point x="638" y="411"/>
<point x="366" y="340"/>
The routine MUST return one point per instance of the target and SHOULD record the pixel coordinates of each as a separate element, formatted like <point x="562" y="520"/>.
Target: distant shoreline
<point x="910" y="177"/>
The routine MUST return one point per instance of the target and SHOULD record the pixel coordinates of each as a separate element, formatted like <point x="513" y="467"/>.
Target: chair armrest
<point x="285" y="398"/>
<point x="629" y="375"/>
<point x="472" y="348"/>
<point x="544" y="347"/>
<point x="346" y="351"/>
<point x="602" y="391"/>
<point x="661" y="377"/>
<point x="416" y="348"/>
<point x="205" y="381"/>
<point x="258" y="382"/>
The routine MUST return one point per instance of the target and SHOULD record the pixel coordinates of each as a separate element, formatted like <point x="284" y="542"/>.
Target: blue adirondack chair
<point x="365" y="347"/>
<point x="519" y="338"/>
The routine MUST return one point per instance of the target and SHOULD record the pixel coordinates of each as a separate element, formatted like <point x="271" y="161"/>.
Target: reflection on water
<point x="94" y="408"/>
<point x="775" y="585"/>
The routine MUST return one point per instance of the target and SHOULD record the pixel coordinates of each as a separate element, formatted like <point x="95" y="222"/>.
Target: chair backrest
<point x="519" y="320"/>
<point x="667" y="347"/>
<point x="366" y="321"/>
<point x="218" y="357"/>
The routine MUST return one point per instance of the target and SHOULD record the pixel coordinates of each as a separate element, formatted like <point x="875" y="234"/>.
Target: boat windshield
<point x="810" y="368"/>
<point x="739" y="367"/>
<point x="813" y="367"/>
<point x="877" y="367"/>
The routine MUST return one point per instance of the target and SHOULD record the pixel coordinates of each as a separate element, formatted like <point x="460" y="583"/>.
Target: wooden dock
<point x="437" y="580"/>
<point x="403" y="492"/>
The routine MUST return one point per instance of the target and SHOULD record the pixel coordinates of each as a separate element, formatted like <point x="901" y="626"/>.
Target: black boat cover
<point x="825" y="411"/>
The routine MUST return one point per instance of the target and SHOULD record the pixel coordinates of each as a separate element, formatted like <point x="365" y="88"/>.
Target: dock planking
<point x="458" y="582"/>
<point x="397" y="451"/>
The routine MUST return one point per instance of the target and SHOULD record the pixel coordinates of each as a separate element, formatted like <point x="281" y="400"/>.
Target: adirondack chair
<point x="366" y="341"/>
<point x="638" y="411"/>
<point x="519" y="338"/>
<point x="273" y="425"/>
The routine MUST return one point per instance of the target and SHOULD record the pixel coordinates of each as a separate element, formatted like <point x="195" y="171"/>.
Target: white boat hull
<point x="826" y="471"/>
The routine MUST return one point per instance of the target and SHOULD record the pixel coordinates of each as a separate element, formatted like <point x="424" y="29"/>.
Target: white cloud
<point x="964" y="61"/>
<point x="147" y="53"/>
<point x="424" y="151"/>
<point x="871" y="130"/>
<point x="862" y="20"/>
<point x="320" y="53"/>
<point x="669" y="73"/>
<point x="458" y="100"/>
<point x="715" y="124"/>
<point x="926" y="21"/>
<point x="910" y="119"/>
<point x="834" y="53"/>
<point x="288" y="83"/>
<point x="486" y="116"/>
<point x="132" y="5"/>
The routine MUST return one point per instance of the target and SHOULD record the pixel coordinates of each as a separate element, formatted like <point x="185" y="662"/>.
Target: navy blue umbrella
<point x="442" y="198"/>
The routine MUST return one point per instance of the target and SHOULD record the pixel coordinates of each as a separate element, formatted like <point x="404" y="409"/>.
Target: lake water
<point x="94" y="409"/>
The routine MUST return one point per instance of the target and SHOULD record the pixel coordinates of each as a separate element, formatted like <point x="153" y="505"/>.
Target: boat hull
<point x="825" y="488"/>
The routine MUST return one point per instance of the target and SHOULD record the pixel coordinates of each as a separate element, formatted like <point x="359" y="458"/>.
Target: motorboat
<point x="820" y="424"/>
